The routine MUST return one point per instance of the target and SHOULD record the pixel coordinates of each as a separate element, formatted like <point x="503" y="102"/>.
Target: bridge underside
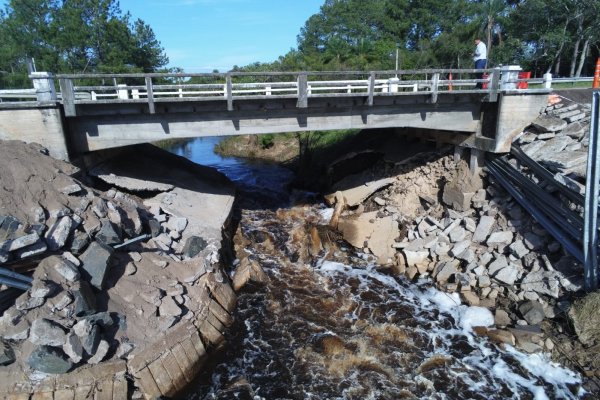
<point x="102" y="126"/>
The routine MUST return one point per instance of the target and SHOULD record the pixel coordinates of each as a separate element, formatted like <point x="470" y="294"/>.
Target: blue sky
<point x="202" y="35"/>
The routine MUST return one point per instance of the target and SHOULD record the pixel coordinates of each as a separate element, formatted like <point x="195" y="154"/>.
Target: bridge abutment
<point x="35" y="123"/>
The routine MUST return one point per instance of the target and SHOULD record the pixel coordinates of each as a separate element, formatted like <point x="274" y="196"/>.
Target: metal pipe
<point x="14" y="283"/>
<point x="15" y="275"/>
<point x="134" y="240"/>
<point x="590" y="215"/>
<point x="546" y="222"/>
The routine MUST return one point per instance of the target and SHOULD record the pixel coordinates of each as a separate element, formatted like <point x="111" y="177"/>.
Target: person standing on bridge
<point x="480" y="59"/>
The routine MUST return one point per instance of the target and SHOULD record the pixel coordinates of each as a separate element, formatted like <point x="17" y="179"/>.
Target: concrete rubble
<point x="91" y="304"/>
<point x="471" y="237"/>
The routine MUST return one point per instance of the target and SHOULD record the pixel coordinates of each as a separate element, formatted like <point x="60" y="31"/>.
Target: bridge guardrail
<point x="154" y="88"/>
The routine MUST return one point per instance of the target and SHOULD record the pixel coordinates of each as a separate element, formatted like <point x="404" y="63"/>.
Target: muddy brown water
<point x="332" y="325"/>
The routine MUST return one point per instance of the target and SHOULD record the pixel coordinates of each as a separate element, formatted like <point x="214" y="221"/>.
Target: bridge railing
<point x="152" y="88"/>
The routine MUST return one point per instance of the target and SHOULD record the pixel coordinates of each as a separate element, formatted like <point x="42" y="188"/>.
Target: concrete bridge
<point x="92" y="112"/>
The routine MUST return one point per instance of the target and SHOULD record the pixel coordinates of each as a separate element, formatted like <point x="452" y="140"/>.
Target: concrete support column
<point x="476" y="161"/>
<point x="43" y="83"/>
<point x="459" y="152"/>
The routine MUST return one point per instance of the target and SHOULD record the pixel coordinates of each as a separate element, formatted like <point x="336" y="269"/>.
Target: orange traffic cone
<point x="596" y="83"/>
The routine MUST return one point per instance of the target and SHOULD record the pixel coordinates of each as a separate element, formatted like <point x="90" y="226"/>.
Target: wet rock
<point x="501" y="318"/>
<point x="46" y="332"/>
<point x="7" y="354"/>
<point x="532" y="312"/>
<point x="95" y="263"/>
<point x="501" y="336"/>
<point x="50" y="360"/>
<point x="58" y="234"/>
<point x="193" y="246"/>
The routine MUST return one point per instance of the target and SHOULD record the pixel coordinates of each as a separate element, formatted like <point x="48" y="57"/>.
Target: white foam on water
<point x="487" y="357"/>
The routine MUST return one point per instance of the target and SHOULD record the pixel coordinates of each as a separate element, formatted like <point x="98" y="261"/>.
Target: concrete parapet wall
<point x="35" y="124"/>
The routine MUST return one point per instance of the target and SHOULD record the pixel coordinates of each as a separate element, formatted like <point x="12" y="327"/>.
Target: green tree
<point x="76" y="36"/>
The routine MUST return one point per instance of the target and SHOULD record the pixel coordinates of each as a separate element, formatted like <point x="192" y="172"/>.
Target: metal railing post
<point x="302" y="91"/>
<point x="43" y="83"/>
<point x="68" y="97"/>
<point x="590" y="216"/>
<point x="150" y="95"/>
<point x="229" y="92"/>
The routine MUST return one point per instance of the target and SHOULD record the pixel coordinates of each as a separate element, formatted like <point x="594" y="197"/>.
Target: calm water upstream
<point x="332" y="326"/>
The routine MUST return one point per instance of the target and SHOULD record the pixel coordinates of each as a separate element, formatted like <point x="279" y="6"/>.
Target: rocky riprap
<point x="92" y="303"/>
<point x="427" y="217"/>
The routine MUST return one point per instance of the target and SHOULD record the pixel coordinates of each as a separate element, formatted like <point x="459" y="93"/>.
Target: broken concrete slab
<point x="57" y="235"/>
<point x="483" y="228"/>
<point x="46" y="332"/>
<point x="547" y="123"/>
<point x="357" y="188"/>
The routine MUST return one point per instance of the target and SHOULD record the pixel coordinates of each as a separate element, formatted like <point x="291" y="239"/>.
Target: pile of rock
<point x="477" y="241"/>
<point x="558" y="140"/>
<point x="93" y="297"/>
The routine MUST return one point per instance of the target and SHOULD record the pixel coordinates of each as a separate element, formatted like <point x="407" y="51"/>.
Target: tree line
<point x="77" y="36"/>
<point x="74" y="36"/>
<point x="558" y="36"/>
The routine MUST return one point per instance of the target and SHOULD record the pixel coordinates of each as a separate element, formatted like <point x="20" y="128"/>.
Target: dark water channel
<point x="331" y="325"/>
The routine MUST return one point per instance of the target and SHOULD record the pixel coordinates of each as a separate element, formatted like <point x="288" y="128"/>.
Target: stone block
<point x="66" y="270"/>
<point x="483" y="229"/>
<point x="50" y="360"/>
<point x="518" y="249"/>
<point x="500" y="238"/>
<point x="19" y="242"/>
<point x="547" y="123"/>
<point x="84" y="299"/>
<point x="7" y="354"/>
<point x="444" y="271"/>
<point x="507" y="275"/>
<point x="91" y="341"/>
<point x="532" y="312"/>
<point x="108" y="234"/>
<point x="101" y="352"/>
<point x="59" y="232"/>
<point x="193" y="246"/>
<point x="46" y="332"/>
<point x="95" y="263"/>
<point x="73" y="348"/>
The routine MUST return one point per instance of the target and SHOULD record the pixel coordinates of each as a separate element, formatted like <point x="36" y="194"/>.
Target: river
<point x="332" y="325"/>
